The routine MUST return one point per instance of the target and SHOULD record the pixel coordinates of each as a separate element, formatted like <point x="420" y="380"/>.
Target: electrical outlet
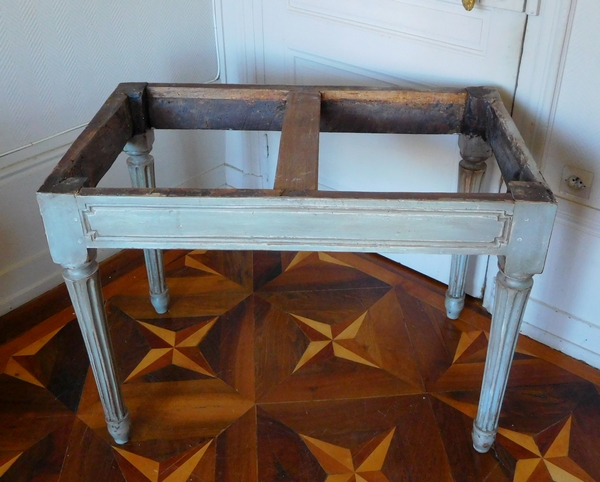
<point x="576" y="182"/>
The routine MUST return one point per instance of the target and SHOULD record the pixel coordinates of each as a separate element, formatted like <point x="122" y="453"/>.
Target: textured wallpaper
<point x="60" y="59"/>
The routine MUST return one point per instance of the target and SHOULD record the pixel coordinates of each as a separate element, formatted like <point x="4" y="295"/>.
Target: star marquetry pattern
<point x="337" y="340"/>
<point x="341" y="465"/>
<point x="174" y="348"/>
<point x="470" y="342"/>
<point x="18" y="365"/>
<point x="546" y="462"/>
<point x="324" y="257"/>
<point x="176" y="469"/>
<point x="552" y="462"/>
<point x="272" y="366"/>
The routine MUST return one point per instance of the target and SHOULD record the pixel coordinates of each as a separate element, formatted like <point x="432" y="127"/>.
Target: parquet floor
<point x="286" y="367"/>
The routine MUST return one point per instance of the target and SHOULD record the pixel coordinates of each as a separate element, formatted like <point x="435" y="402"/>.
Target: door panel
<point x="430" y="42"/>
<point x="409" y="43"/>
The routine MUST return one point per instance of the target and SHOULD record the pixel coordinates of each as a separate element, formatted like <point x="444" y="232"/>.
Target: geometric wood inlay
<point x="342" y="345"/>
<point x="554" y="462"/>
<point x="7" y="465"/>
<point x="341" y="465"/>
<point x="177" y="469"/>
<point x="273" y="366"/>
<point x="181" y="350"/>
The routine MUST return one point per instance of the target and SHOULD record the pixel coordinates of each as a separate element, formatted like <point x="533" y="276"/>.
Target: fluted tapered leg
<point x="141" y="171"/>
<point x="474" y="152"/>
<point x="83" y="283"/>
<point x="511" y="298"/>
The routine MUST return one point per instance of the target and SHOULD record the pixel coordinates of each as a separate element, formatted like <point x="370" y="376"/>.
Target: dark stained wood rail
<point x="392" y="111"/>
<point x="356" y="109"/>
<point x="134" y="107"/>
<point x="216" y="107"/>
<point x="95" y="150"/>
<point x="298" y="163"/>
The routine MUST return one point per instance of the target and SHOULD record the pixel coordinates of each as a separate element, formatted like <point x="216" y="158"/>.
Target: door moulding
<point x="542" y="64"/>
<point x="538" y="88"/>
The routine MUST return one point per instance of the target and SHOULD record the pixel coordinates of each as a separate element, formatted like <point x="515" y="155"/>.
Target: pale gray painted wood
<point x="141" y="171"/>
<point x="159" y="292"/>
<point x="63" y="224"/>
<point x="455" y="295"/>
<point x="83" y="283"/>
<point x="525" y="256"/>
<point x="530" y="231"/>
<point x="474" y="151"/>
<point x="297" y="223"/>
<point x="511" y="298"/>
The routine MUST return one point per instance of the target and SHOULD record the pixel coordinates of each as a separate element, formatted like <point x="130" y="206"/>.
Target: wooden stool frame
<point x="516" y="226"/>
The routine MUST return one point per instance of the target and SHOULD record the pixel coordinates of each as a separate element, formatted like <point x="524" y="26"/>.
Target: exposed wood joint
<point x="136" y="91"/>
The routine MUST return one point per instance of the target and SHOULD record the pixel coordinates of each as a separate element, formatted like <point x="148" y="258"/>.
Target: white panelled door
<point x="409" y="43"/>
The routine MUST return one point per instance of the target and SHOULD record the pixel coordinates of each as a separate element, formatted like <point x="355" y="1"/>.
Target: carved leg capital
<point x="140" y="162"/>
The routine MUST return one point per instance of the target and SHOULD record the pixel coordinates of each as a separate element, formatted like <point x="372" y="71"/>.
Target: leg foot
<point x="482" y="440"/>
<point x="159" y="292"/>
<point x="120" y="429"/>
<point x="455" y="296"/>
<point x="454" y="306"/>
<point x="160" y="302"/>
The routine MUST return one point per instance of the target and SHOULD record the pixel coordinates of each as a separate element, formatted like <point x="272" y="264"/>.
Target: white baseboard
<point x="36" y="275"/>
<point x="26" y="273"/>
<point x="572" y="336"/>
<point x="562" y="312"/>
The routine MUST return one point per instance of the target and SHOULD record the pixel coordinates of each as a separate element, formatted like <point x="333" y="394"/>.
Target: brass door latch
<point x="530" y="7"/>
<point x="468" y="4"/>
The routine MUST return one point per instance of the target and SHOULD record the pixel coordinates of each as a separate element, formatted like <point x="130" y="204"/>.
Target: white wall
<point x="59" y="61"/>
<point x="558" y="113"/>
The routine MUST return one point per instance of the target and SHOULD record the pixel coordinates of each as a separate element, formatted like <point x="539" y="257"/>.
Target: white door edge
<point x="538" y="86"/>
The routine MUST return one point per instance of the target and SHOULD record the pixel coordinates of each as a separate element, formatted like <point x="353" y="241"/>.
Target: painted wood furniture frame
<point x="516" y="226"/>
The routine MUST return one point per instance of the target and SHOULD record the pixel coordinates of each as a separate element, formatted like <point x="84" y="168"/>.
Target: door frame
<point x="545" y="47"/>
